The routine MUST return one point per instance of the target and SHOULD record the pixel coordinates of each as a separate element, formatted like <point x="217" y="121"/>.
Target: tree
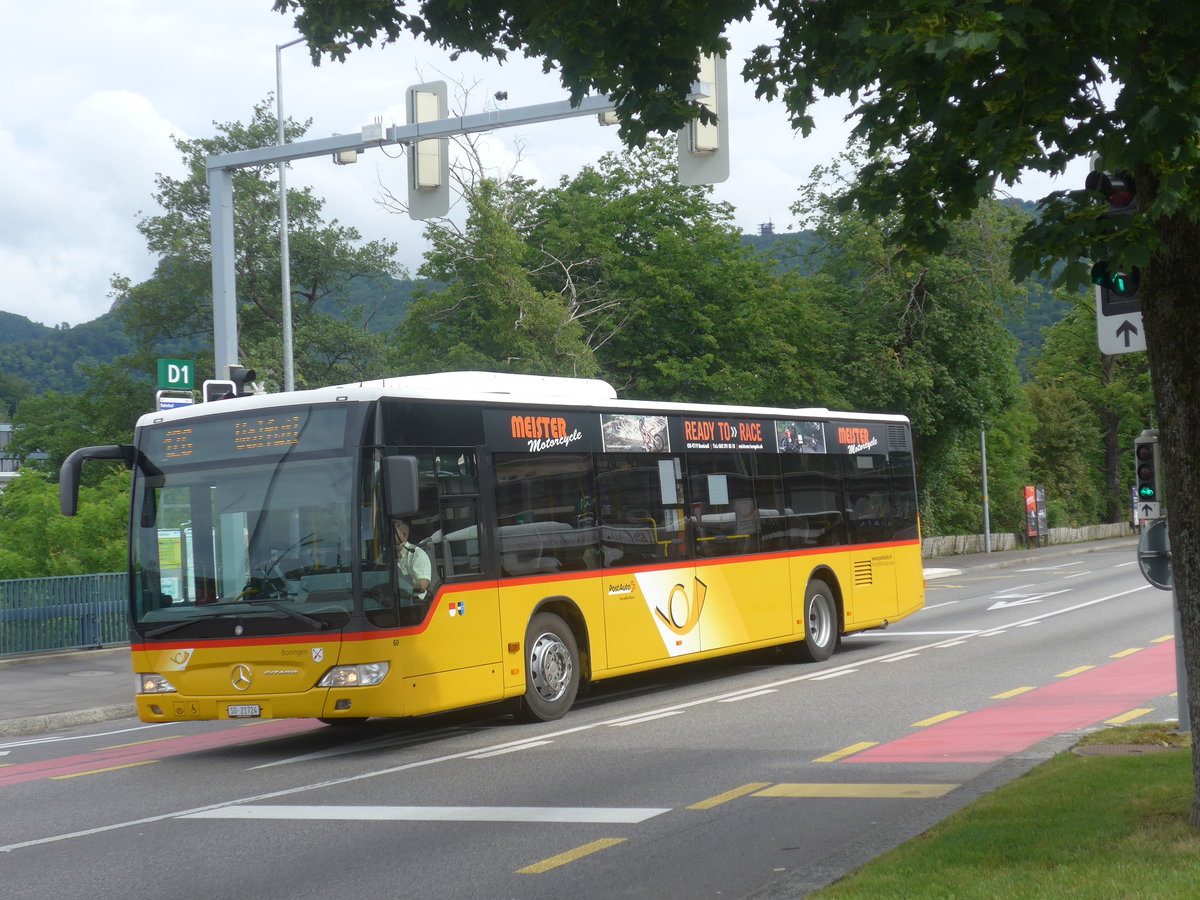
<point x="490" y="314"/>
<point x="57" y="424"/>
<point x="685" y="310"/>
<point x="968" y="95"/>
<point x="175" y="304"/>
<point x="36" y="541"/>
<point x="923" y="334"/>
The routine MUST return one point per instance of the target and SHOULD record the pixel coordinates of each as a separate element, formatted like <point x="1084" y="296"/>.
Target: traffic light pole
<point x="220" y="186"/>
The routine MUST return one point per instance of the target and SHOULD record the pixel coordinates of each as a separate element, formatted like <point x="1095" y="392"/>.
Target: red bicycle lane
<point x="1011" y="726"/>
<point x="150" y="751"/>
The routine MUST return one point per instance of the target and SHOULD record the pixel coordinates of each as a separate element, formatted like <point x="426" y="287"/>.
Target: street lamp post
<point x="285" y="262"/>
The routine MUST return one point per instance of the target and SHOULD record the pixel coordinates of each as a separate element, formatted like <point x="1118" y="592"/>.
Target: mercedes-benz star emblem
<point x="240" y="677"/>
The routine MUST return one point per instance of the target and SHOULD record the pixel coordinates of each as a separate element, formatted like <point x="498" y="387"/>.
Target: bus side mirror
<point x="401" y="486"/>
<point x="68" y="473"/>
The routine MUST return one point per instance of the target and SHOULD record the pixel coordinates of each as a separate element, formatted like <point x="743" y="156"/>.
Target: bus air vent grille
<point x="898" y="438"/>
<point x="864" y="573"/>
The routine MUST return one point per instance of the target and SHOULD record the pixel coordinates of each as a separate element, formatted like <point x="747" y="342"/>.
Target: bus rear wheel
<point x="551" y="669"/>
<point x="820" y="623"/>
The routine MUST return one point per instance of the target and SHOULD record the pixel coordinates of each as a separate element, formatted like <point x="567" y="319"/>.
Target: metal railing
<point x="64" y="613"/>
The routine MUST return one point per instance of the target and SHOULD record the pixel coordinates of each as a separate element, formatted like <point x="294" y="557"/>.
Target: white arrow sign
<point x="1004" y="601"/>
<point x="1121" y="333"/>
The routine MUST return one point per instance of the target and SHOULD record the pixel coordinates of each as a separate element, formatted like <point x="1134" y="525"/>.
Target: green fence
<point x="70" y="612"/>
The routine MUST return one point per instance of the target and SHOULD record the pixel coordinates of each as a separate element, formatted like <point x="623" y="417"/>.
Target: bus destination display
<point x="237" y="437"/>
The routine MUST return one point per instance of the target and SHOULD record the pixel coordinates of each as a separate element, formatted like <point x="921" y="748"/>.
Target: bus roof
<point x="497" y="388"/>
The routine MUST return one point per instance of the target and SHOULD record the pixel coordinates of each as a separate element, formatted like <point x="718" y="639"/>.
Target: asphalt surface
<point x="50" y="692"/>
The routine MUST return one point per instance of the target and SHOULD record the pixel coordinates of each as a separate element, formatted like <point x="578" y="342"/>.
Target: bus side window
<point x="641" y="508"/>
<point x="545" y="513"/>
<point x="812" y="491"/>
<point x="869" y="498"/>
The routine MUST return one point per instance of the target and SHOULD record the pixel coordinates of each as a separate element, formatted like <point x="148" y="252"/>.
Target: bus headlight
<point x="153" y="683"/>
<point x="363" y="675"/>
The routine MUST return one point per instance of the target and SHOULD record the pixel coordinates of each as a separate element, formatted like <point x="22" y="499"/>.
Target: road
<point x="747" y="776"/>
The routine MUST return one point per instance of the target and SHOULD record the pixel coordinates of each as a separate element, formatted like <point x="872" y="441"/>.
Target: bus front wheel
<point x="820" y="623"/>
<point x="551" y="669"/>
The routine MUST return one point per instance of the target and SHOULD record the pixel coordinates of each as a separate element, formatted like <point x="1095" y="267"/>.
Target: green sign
<point x="176" y="374"/>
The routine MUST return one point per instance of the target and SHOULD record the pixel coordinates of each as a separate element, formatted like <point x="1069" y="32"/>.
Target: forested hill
<point x="800" y="251"/>
<point x="54" y="359"/>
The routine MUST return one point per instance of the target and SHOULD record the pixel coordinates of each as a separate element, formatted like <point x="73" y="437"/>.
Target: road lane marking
<point x="903" y="656"/>
<point x="570" y="856"/>
<point x="585" y="815"/>
<point x="1129" y="652"/>
<point x="859" y="791"/>
<point x="837" y="674"/>
<point x="1074" y="671"/>
<point x="847" y="751"/>
<point x="145" y="762"/>
<point x="1014" y="692"/>
<point x="942" y="717"/>
<point x="506" y="750"/>
<point x="1163" y="639"/>
<point x="1128" y="717"/>
<point x="170" y="737"/>
<point x="731" y="795"/>
<point x="647" y="717"/>
<point x="762" y="693"/>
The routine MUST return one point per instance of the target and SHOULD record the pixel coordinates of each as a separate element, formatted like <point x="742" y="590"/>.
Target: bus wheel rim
<point x="550" y="666"/>
<point x="820" y="620"/>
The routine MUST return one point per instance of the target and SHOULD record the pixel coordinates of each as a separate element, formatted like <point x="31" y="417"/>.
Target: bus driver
<point x="412" y="563"/>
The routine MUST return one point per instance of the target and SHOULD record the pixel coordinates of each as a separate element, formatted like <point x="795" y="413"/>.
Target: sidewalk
<point x="60" y="690"/>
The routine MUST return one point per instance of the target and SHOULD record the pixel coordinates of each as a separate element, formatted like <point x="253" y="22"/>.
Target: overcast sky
<point x="93" y="93"/>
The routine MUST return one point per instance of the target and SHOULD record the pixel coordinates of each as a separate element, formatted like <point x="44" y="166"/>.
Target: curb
<point x="27" y="725"/>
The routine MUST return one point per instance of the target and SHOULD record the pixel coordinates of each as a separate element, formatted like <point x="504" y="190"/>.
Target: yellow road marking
<point x="1075" y="671"/>
<point x="731" y="795"/>
<point x="1013" y="693"/>
<point x="139" y="743"/>
<point x="1125" y="717"/>
<point x="570" y="856"/>
<point x="1163" y="639"/>
<point x="870" y="791"/>
<point x="1129" y="652"/>
<point x="933" y="720"/>
<point x="100" y="771"/>
<point x="847" y="751"/>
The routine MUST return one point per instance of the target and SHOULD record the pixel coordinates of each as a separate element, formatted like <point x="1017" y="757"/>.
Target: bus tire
<point x="551" y="669"/>
<point x="821" y="623"/>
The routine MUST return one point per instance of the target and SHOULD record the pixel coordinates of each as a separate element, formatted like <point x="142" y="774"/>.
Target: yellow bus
<point x="412" y="545"/>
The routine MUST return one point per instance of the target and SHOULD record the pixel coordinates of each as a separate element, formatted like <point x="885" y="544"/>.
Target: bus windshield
<point x="244" y="525"/>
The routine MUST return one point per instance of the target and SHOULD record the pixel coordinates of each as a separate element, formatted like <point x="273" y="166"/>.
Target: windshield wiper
<point x="315" y="624"/>
<point x="175" y="626"/>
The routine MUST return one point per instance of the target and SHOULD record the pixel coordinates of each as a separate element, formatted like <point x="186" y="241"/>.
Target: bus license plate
<point x="247" y="711"/>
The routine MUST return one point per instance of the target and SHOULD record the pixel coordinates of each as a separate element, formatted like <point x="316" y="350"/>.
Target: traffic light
<point x="233" y="386"/>
<point x="241" y="377"/>
<point x="1120" y="287"/>
<point x="1146" y="467"/>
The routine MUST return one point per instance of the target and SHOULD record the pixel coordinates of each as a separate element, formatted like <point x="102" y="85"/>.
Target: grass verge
<point x="1086" y="827"/>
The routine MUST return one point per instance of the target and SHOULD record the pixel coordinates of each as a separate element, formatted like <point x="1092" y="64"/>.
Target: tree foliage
<point x="36" y="541"/>
<point x="326" y="258"/>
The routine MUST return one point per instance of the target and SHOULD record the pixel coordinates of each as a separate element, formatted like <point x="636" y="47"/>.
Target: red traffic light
<point x="1117" y="187"/>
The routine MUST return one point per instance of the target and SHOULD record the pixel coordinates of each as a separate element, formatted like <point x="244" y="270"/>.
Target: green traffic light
<point x="1147" y="492"/>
